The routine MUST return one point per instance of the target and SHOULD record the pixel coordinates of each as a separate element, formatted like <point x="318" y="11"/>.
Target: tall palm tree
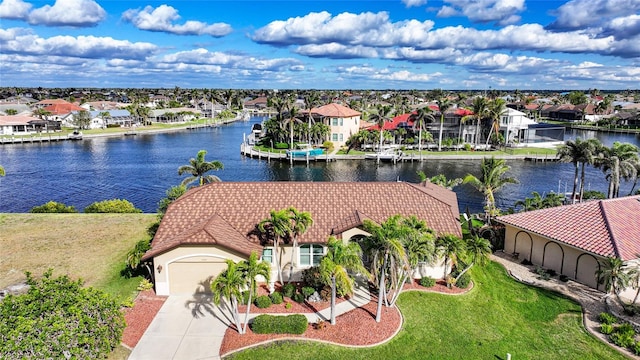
<point x="277" y="226"/>
<point x="250" y="269"/>
<point x="491" y="179"/>
<point x="494" y="112"/>
<point x="618" y="162"/>
<point x="479" y="109"/>
<point x="419" y="243"/>
<point x="388" y="256"/>
<point x="198" y="169"/>
<point x="228" y="284"/>
<point x="443" y="105"/>
<point x="335" y="267"/>
<point x="291" y="119"/>
<point x="579" y="153"/>
<point x="451" y="247"/>
<point x="421" y="117"/>
<point x="310" y="101"/>
<point x="477" y="251"/>
<point x="380" y="116"/>
<point x="300" y="222"/>
<point x="612" y="272"/>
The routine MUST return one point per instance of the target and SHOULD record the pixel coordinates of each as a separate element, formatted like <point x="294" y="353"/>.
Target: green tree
<point x="443" y="105"/>
<point x="59" y="318"/>
<point x="452" y="248"/>
<point x="389" y="266"/>
<point x="419" y="243"/>
<point x="113" y="206"/>
<point x="577" y="98"/>
<point x="335" y="266"/>
<point x="579" y="153"/>
<point x="252" y="268"/>
<point x="422" y="116"/>
<point x="276" y="227"/>
<point x="612" y="273"/>
<point x="198" y="169"/>
<point x="228" y="285"/>
<point x="82" y="119"/>
<point x="618" y="162"/>
<point x="477" y="251"/>
<point x="479" y="109"/>
<point x="494" y="112"/>
<point x="11" y="112"/>
<point x="492" y="178"/>
<point x="172" y="195"/>
<point x="53" y="207"/>
<point x="301" y="221"/>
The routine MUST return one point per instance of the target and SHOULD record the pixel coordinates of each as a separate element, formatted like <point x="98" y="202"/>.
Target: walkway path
<point x="191" y="327"/>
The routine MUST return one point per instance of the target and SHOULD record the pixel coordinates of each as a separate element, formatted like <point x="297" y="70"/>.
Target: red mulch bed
<point x="357" y="327"/>
<point x="296" y="308"/>
<point x="146" y="306"/>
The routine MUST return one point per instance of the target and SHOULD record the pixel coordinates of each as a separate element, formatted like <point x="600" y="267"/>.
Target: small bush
<point x="320" y="324"/>
<point x="53" y="207"/>
<point x="288" y="290"/>
<point x="606" y="318"/>
<point x="526" y="262"/>
<point x="311" y="277"/>
<point x="263" y="301"/>
<point x="551" y="272"/>
<point x="298" y="297"/>
<point x="145" y="285"/>
<point x="622" y="340"/>
<point x="606" y="328"/>
<point x="288" y="306"/>
<point x="308" y="291"/>
<point x="116" y="206"/>
<point x="464" y="281"/>
<point x="563" y="278"/>
<point x="325" y="293"/>
<point x="276" y="298"/>
<point x="427" y="282"/>
<point x="281" y="145"/>
<point x="626" y="329"/>
<point x="328" y="145"/>
<point x="636" y="348"/>
<point x="270" y="324"/>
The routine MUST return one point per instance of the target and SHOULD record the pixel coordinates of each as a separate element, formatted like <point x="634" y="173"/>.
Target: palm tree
<point x="451" y="247"/>
<point x="335" y="267"/>
<point x="310" y="101"/>
<point x="388" y="257"/>
<point x="380" y="116"/>
<point x="491" y="180"/>
<point x="494" y="111"/>
<point x="532" y="203"/>
<point x="612" y="273"/>
<point x="477" y="251"/>
<point x="291" y="119"/>
<point x="443" y="105"/>
<point x="277" y="227"/>
<point x="579" y="153"/>
<point x="198" y="169"/>
<point x="479" y="109"/>
<point x="421" y="117"/>
<point x="228" y="284"/>
<point x="252" y="268"/>
<point x="618" y="161"/>
<point x="300" y="222"/>
<point x="419" y="243"/>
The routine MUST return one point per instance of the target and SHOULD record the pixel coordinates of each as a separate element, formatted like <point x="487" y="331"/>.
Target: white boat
<point x="387" y="154"/>
<point x="75" y="135"/>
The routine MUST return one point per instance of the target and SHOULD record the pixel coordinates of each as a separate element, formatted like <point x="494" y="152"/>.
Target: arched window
<point x="311" y="254"/>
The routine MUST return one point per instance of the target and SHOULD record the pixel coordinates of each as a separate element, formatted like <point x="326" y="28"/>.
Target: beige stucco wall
<point x="553" y="255"/>
<point x="350" y="126"/>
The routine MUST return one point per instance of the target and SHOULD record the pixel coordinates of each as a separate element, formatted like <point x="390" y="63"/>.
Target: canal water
<point x="141" y="168"/>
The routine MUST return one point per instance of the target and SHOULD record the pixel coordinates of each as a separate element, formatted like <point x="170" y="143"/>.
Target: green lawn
<point x="499" y="316"/>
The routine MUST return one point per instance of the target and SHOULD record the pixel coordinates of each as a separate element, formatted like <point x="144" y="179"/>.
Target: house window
<point x="334" y="137"/>
<point x="311" y="254"/>
<point x="334" y="122"/>
<point x="267" y="255"/>
<point x="340" y="137"/>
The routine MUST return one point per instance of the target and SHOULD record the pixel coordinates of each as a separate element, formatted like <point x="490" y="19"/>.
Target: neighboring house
<point x="49" y="102"/>
<point x="573" y="239"/>
<point x="259" y="103"/>
<point x="25" y="125"/>
<point x="342" y="121"/>
<point x="173" y="115"/>
<point x="212" y="223"/>
<point x="122" y="118"/>
<point x="101" y="105"/>
<point x="62" y="112"/>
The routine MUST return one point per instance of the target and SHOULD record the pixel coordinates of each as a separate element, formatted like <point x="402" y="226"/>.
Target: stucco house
<point x="218" y="221"/>
<point x="342" y="121"/>
<point x="573" y="239"/>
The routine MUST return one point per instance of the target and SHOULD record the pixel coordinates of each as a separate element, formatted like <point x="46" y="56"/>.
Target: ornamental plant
<point x="59" y="318"/>
<point x="119" y="206"/>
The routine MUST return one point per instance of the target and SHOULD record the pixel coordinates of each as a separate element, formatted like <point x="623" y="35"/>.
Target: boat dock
<point x="33" y="139"/>
<point x="250" y="151"/>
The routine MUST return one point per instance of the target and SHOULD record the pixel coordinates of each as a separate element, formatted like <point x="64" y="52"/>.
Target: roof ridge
<point x="614" y="242"/>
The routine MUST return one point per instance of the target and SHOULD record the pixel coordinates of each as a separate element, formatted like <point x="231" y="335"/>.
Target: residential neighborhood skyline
<point x="408" y="44"/>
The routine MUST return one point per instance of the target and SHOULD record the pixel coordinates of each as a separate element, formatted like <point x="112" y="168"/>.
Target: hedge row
<point x="273" y="324"/>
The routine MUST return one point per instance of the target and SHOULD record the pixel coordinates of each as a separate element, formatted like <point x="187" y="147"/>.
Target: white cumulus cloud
<point x="501" y="12"/>
<point x="14" y="9"/>
<point x="75" y="13"/>
<point x="579" y="14"/>
<point x="414" y="3"/>
<point x="162" y="19"/>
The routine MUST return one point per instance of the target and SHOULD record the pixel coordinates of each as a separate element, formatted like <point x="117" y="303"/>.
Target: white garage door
<point x="190" y="276"/>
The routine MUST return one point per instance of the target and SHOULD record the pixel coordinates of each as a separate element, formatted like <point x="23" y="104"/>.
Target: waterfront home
<point x="17" y="125"/>
<point x="173" y="115"/>
<point x="62" y="112"/>
<point x="573" y="240"/>
<point x="342" y="121"/>
<point x="215" y="222"/>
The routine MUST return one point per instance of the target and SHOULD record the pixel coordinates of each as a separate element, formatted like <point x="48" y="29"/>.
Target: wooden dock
<point x="32" y="139"/>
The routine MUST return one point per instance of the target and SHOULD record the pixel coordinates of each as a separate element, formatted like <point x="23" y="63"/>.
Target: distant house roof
<point x="394" y="123"/>
<point x="62" y="108"/>
<point x="335" y="110"/>
<point x="609" y="228"/>
<point x="17" y="120"/>
<point x="226" y="213"/>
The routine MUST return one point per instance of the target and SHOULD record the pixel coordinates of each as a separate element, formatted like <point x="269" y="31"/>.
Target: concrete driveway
<point x="186" y="327"/>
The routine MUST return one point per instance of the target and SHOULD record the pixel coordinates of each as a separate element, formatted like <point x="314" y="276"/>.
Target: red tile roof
<point x="62" y="109"/>
<point x="394" y="123"/>
<point x="335" y="110"/>
<point x="609" y="228"/>
<point x="226" y="213"/>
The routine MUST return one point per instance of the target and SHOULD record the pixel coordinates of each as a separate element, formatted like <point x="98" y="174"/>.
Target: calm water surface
<point x="141" y="168"/>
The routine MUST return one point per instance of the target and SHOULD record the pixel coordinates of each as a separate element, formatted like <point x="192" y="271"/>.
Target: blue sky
<point x="403" y="44"/>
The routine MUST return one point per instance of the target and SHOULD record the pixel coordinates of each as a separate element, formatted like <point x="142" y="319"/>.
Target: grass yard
<point x="88" y="246"/>
<point x="497" y="317"/>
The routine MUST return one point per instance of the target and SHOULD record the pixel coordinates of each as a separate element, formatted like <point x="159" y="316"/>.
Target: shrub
<point x="298" y="297"/>
<point x="308" y="291"/>
<point x="270" y="324"/>
<point x="464" y="281"/>
<point x="145" y="285"/>
<point x="311" y="277"/>
<point x="563" y="278"/>
<point x="288" y="306"/>
<point x="328" y="145"/>
<point x="626" y="329"/>
<point x="621" y="339"/>
<point x="263" y="301"/>
<point x="325" y="293"/>
<point x="135" y="255"/>
<point x="606" y="328"/>
<point x="606" y="318"/>
<point x="526" y="262"/>
<point x="288" y="290"/>
<point x="119" y="206"/>
<point x="59" y="318"/>
<point x="53" y="207"/>
<point x="281" y="145"/>
<point x="427" y="281"/>
<point x="276" y="298"/>
<point x="636" y="348"/>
